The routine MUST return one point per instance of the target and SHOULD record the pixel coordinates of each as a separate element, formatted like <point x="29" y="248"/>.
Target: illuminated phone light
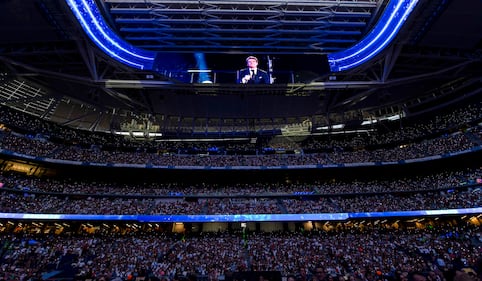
<point x="381" y="35"/>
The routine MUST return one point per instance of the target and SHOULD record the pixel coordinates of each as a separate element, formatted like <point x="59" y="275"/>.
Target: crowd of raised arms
<point x="451" y="132"/>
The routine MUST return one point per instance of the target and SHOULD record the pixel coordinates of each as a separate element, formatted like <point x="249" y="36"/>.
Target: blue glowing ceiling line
<point x="103" y="29"/>
<point x="100" y="41"/>
<point x="385" y="42"/>
<point x="100" y="44"/>
<point x="381" y="35"/>
<point x="108" y="41"/>
<point x="377" y="34"/>
<point x="91" y="20"/>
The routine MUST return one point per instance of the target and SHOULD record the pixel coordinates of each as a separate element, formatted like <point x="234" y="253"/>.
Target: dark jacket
<point x="261" y="76"/>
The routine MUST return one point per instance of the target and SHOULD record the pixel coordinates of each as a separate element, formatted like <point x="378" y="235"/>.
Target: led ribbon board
<point x="94" y="25"/>
<point x="379" y="37"/>
<point x="242" y="217"/>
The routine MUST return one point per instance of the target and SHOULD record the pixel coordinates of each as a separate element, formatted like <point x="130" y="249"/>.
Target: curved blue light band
<point x="91" y="20"/>
<point x="396" y="12"/>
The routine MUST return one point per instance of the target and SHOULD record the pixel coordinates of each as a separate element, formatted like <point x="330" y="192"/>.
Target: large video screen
<point x="247" y="69"/>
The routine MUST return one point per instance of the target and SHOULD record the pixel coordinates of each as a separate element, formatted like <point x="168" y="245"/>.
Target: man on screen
<point x="252" y="74"/>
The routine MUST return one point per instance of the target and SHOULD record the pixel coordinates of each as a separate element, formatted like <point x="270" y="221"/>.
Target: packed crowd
<point x="333" y="186"/>
<point x="39" y="147"/>
<point x="376" y="254"/>
<point x="24" y="203"/>
<point x="406" y="132"/>
<point x="448" y="190"/>
<point x="368" y="255"/>
<point x="450" y="132"/>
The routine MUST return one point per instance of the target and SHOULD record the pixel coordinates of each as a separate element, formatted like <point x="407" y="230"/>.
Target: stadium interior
<point x="129" y="151"/>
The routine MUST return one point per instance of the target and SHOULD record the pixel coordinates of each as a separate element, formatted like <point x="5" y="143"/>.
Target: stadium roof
<point x="53" y="70"/>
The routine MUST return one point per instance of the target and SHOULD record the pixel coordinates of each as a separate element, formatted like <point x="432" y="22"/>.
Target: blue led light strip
<point x="91" y="20"/>
<point x="396" y="12"/>
<point x="243" y="217"/>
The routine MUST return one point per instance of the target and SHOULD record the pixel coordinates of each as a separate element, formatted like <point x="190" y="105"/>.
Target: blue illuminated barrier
<point x="94" y="25"/>
<point x="242" y="217"/>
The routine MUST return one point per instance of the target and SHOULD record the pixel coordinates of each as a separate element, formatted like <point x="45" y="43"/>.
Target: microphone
<point x="248" y="76"/>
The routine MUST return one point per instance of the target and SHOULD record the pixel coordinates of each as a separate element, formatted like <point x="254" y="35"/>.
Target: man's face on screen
<point x="252" y="63"/>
